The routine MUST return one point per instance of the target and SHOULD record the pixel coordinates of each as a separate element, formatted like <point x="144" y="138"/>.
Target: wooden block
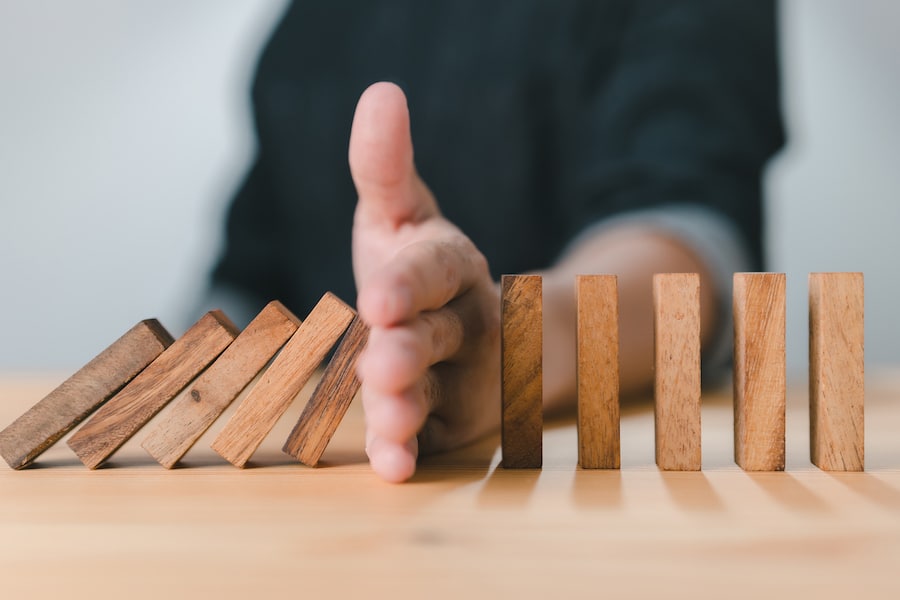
<point x="152" y="389"/>
<point x="257" y="414"/>
<point x="676" y="309"/>
<point x="597" y="349"/>
<point x="330" y="400"/>
<point x="521" y="336"/>
<point x="82" y="393"/>
<point x="836" y="371"/>
<point x="759" y="371"/>
<point x="192" y="413"/>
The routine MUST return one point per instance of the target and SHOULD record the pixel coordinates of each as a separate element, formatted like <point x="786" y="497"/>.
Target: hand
<point x="430" y="372"/>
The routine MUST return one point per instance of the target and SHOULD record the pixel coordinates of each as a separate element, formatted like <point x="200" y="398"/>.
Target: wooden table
<point x="462" y="526"/>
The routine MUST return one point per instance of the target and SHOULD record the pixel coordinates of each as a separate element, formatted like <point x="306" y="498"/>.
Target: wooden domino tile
<point x="129" y="410"/>
<point x="330" y="400"/>
<point x="676" y="387"/>
<point x="82" y="393"/>
<point x="191" y="414"/>
<point x="270" y="397"/>
<point x="522" y="419"/>
<point x="597" y="371"/>
<point x="759" y="371"/>
<point x="836" y="371"/>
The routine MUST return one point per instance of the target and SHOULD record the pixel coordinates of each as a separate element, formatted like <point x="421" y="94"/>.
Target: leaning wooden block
<point x="330" y="400"/>
<point x="82" y="393"/>
<point x="676" y="307"/>
<point x="192" y="413"/>
<point x="759" y="371"/>
<point x="836" y="371"/>
<point x="521" y="335"/>
<point x="257" y="414"/>
<point x="149" y="392"/>
<point x="597" y="298"/>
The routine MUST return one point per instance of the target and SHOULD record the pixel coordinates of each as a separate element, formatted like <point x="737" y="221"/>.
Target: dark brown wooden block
<point x="82" y="393"/>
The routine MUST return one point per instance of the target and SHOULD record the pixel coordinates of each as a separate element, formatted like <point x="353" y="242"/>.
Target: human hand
<point x="430" y="372"/>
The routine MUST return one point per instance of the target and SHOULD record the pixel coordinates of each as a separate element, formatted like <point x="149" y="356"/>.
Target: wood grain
<point x="676" y="309"/>
<point x="759" y="371"/>
<point x="522" y="421"/>
<point x="152" y="389"/>
<point x="191" y="414"/>
<point x="837" y="371"/>
<point x="82" y="393"/>
<point x="270" y="397"/>
<point x="330" y="400"/>
<point x="597" y="368"/>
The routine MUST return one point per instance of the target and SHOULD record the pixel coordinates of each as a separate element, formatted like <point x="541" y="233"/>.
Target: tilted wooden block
<point x="759" y="371"/>
<point x="330" y="400"/>
<point x="522" y="421"/>
<point x="597" y="299"/>
<point x="270" y="397"/>
<point x="82" y="393"/>
<point x="152" y="389"/>
<point x="192" y="413"/>
<point x="836" y="371"/>
<point x="676" y="304"/>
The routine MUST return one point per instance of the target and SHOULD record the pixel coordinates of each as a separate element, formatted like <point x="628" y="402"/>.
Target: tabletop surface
<point x="462" y="525"/>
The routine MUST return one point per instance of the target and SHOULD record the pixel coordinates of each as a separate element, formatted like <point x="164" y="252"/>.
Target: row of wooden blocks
<point x="836" y="371"/>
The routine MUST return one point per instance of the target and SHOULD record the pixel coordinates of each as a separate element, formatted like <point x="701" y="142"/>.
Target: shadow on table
<point x="597" y="489"/>
<point x="786" y="490"/>
<point x="691" y="491"/>
<point x="871" y="488"/>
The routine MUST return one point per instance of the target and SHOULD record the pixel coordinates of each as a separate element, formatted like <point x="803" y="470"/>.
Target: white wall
<point x="124" y="130"/>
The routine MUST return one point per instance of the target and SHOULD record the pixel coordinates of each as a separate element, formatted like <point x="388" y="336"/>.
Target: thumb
<point x="381" y="159"/>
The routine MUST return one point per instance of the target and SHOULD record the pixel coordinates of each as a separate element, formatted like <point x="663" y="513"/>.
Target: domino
<point x="330" y="400"/>
<point x="676" y="309"/>
<point x="759" y="371"/>
<point x="191" y="414"/>
<point x="129" y="410"/>
<point x="597" y="371"/>
<point x="836" y="371"/>
<point x="82" y="393"/>
<point x="269" y="399"/>
<point x="521" y="377"/>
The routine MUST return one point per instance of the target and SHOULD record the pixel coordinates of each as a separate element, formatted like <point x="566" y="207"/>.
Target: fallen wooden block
<point x="836" y="371"/>
<point x="82" y="393"/>
<point x="597" y="298"/>
<point x="129" y="410"/>
<point x="676" y="304"/>
<point x="270" y="397"/>
<point x="522" y="418"/>
<point x="192" y="413"/>
<point x="759" y="371"/>
<point x="330" y="400"/>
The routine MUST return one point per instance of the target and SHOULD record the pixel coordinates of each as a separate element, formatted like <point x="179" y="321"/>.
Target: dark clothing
<point x="531" y="120"/>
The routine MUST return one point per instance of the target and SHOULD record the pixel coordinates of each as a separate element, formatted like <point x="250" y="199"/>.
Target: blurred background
<point x="125" y="128"/>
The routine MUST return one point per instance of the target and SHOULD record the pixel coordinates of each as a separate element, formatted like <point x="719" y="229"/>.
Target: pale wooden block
<point x="192" y="413"/>
<point x="82" y="393"/>
<point x="272" y="395"/>
<point x="597" y="299"/>
<point x="676" y="308"/>
<point x="837" y="371"/>
<point x="759" y="371"/>
<point x="330" y="400"/>
<point x="522" y="421"/>
<point x="152" y="389"/>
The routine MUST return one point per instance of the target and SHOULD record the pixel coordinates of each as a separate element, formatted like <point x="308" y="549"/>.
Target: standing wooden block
<point x="597" y="298"/>
<point x="82" y="393"/>
<point x="149" y="392"/>
<point x="676" y="309"/>
<point x="330" y="400"/>
<point x="257" y="414"/>
<point x="759" y="371"/>
<point x="192" y="414"/>
<point x="522" y="422"/>
<point x="836" y="371"/>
